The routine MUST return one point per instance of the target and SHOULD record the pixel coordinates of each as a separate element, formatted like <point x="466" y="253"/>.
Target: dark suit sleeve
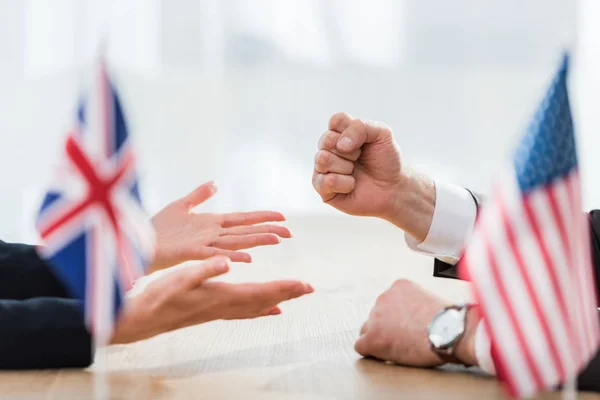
<point x="443" y="270"/>
<point x="43" y="333"/>
<point x="588" y="379"/>
<point x="40" y="327"/>
<point x="23" y="275"/>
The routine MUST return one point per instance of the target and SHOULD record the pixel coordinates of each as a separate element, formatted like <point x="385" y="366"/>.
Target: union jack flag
<point x="95" y="235"/>
<point x="530" y="259"/>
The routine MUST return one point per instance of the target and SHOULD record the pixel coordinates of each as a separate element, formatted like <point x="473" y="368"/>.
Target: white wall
<point x="240" y="91"/>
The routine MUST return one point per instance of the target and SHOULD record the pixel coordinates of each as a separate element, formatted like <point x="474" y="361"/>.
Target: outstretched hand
<point x="183" y="235"/>
<point x="187" y="296"/>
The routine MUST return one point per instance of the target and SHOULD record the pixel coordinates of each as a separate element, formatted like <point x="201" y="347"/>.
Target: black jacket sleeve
<point x="40" y="327"/>
<point x="23" y="275"/>
<point x="43" y="333"/>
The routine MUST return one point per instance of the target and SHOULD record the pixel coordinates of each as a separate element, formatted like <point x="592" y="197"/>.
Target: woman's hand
<point x="183" y="235"/>
<point x="186" y="297"/>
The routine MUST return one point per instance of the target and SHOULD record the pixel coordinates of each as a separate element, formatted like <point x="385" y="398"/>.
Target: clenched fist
<point x="359" y="171"/>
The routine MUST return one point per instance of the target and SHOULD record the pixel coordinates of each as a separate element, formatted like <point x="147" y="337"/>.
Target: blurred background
<point x="239" y="91"/>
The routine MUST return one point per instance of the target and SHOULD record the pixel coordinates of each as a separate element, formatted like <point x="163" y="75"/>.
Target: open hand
<point x="183" y="235"/>
<point x="186" y="297"/>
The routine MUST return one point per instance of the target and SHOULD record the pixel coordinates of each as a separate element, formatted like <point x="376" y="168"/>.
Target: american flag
<point x="95" y="235"/>
<point x="530" y="259"/>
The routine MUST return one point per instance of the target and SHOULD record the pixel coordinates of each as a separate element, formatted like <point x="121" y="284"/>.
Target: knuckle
<point x="317" y="181"/>
<point x="382" y="298"/>
<point x="330" y="140"/>
<point x="377" y="339"/>
<point x="338" y="117"/>
<point x="362" y="347"/>
<point x="402" y="283"/>
<point x="358" y="124"/>
<point x="330" y="180"/>
<point x="351" y="167"/>
<point x="386" y="130"/>
<point x="323" y="159"/>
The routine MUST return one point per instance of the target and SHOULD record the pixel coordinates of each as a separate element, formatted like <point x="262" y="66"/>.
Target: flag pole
<point x="103" y="326"/>
<point x="101" y="388"/>
<point x="569" y="391"/>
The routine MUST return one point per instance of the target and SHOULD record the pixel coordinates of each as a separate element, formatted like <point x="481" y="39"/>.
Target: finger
<point x="359" y="132"/>
<point x="362" y="346"/>
<point x="326" y="184"/>
<point x="340" y="121"/>
<point x="329" y="142"/>
<point x="199" y="195"/>
<point x="326" y="161"/>
<point x="269" y="294"/>
<point x="204" y="252"/>
<point x="364" y="328"/>
<point x="278" y="230"/>
<point x="196" y="275"/>
<point x="273" y="311"/>
<point x="251" y="218"/>
<point x="318" y="184"/>
<point x="246" y="241"/>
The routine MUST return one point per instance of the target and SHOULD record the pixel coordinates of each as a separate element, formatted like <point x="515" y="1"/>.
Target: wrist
<point x="465" y="349"/>
<point x="412" y="204"/>
<point x="133" y="324"/>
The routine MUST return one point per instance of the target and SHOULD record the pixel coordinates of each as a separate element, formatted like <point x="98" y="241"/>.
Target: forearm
<point x="23" y="275"/>
<point x="43" y="333"/>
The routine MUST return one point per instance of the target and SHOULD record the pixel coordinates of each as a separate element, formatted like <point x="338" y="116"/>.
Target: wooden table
<point x="305" y="353"/>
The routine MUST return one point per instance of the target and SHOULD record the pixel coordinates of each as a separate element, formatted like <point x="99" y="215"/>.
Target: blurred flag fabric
<point x="530" y="259"/>
<point x="95" y="235"/>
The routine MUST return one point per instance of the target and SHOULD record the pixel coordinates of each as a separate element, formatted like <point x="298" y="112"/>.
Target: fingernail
<point x="309" y="288"/>
<point x="213" y="187"/>
<point x="275" y="311"/>
<point x="345" y="144"/>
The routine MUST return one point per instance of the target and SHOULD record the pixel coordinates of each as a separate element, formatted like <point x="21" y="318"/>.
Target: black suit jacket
<point x="590" y="377"/>
<point x="40" y="326"/>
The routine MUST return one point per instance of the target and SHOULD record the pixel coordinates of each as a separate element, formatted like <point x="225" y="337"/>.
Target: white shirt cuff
<point x="483" y="350"/>
<point x="452" y="223"/>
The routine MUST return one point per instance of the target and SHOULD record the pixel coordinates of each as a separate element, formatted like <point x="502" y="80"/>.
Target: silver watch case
<point x="447" y="328"/>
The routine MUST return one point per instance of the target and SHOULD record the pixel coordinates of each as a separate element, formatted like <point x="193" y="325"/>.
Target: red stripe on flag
<point x="510" y="234"/>
<point x="514" y="321"/>
<point x="573" y="189"/>
<point x="569" y="251"/>
<point x="501" y="367"/>
<point x="557" y="217"/>
<point x="500" y="363"/>
<point x="549" y="263"/>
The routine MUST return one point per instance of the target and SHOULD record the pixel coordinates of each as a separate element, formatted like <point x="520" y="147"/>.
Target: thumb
<point x="209" y="269"/>
<point x="199" y="195"/>
<point x="359" y="132"/>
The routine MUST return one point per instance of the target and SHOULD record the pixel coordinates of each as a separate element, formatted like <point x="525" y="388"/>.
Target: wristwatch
<point x="446" y="330"/>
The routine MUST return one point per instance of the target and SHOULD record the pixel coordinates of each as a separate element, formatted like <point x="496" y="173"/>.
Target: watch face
<point x="446" y="328"/>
